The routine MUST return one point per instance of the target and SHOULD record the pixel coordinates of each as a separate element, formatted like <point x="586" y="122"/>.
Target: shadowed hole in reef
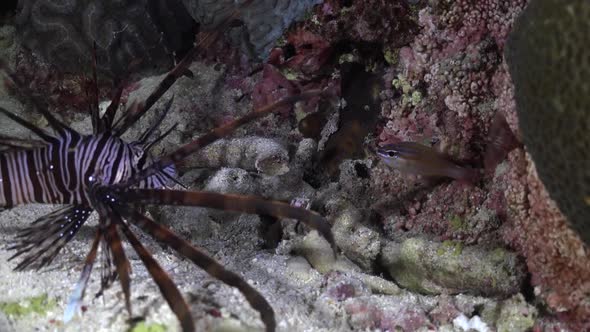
<point x="361" y="171"/>
<point x="528" y="290"/>
<point x="7" y="8"/>
<point x="270" y="231"/>
<point x="360" y="89"/>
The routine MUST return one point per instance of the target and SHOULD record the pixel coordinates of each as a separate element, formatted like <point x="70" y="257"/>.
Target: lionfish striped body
<point x="101" y="172"/>
<point x="63" y="171"/>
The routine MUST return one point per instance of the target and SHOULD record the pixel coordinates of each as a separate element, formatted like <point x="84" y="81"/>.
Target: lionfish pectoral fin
<point x="163" y="280"/>
<point x="19" y="143"/>
<point x="108" y="273"/>
<point x="54" y="123"/>
<point x="111" y="111"/>
<point x="220" y="132"/>
<point x="122" y="265"/>
<point x="146" y="134"/>
<point x="42" y="241"/>
<point x="179" y="70"/>
<point x="237" y="203"/>
<point x="173" y="179"/>
<point x="97" y="125"/>
<point x="36" y="130"/>
<point x="208" y="264"/>
<point x="75" y="300"/>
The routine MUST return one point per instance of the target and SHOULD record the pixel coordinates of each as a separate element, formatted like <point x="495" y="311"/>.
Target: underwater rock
<point x="556" y="257"/>
<point x="358" y="242"/>
<point x="547" y="58"/>
<point x="354" y="179"/>
<point x="63" y="32"/>
<point x="265" y="20"/>
<point x="318" y="253"/>
<point x="7" y="42"/>
<point x="341" y="286"/>
<point x="516" y="315"/>
<point x="232" y="180"/>
<point x="252" y="153"/>
<point x="449" y="268"/>
<point x="386" y="314"/>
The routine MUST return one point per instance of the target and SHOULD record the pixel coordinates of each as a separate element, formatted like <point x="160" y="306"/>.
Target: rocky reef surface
<point x="151" y="34"/>
<point x="416" y="254"/>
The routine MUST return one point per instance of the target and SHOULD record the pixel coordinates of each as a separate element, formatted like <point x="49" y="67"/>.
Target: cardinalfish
<point x="418" y="159"/>
<point x="415" y="158"/>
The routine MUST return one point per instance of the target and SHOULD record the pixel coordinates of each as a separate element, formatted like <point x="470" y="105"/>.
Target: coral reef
<point x="265" y="20"/>
<point x="380" y="22"/>
<point x="546" y="55"/>
<point x="63" y="32"/>
<point x="359" y="243"/>
<point x="455" y="63"/>
<point x="408" y="245"/>
<point x="556" y="257"/>
<point x="452" y="60"/>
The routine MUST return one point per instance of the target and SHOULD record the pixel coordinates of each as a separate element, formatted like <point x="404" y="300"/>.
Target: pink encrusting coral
<point x="556" y="257"/>
<point x="455" y="56"/>
<point x="446" y="87"/>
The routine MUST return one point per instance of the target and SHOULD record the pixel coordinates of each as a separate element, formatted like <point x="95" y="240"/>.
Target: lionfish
<point x="103" y="173"/>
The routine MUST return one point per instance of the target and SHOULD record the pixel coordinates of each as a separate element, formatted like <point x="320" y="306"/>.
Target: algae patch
<point x="454" y="247"/>
<point x="38" y="305"/>
<point x="410" y="96"/>
<point x="457" y="223"/>
<point x="143" y="327"/>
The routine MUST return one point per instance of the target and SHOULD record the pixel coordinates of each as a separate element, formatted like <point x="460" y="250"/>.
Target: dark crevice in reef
<point x="357" y="118"/>
<point x="7" y="9"/>
<point x="8" y="6"/>
<point x="528" y="290"/>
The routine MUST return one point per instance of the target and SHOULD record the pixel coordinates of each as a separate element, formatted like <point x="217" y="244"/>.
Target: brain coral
<point x="548" y="56"/>
<point x="63" y="31"/>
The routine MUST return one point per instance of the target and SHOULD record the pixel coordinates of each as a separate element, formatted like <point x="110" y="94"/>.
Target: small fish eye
<point x="391" y="153"/>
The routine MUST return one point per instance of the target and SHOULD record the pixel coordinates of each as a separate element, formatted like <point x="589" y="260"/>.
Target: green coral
<point x="391" y="56"/>
<point x="457" y="223"/>
<point x="547" y="54"/>
<point x="144" y="327"/>
<point x="347" y="58"/>
<point x="410" y="96"/>
<point x="450" y="247"/>
<point x="290" y="74"/>
<point x="451" y="267"/>
<point x="38" y="305"/>
<point x="516" y="315"/>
